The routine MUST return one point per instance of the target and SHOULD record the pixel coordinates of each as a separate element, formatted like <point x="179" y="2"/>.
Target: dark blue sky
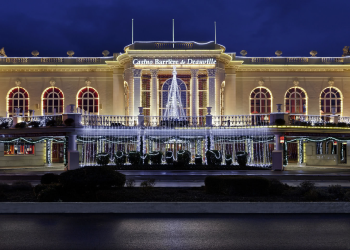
<point x="259" y="26"/>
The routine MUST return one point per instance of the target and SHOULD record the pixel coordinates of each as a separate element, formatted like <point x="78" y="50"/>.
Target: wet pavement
<point x="168" y="231"/>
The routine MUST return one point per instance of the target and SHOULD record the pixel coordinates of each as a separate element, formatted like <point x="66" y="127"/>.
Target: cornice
<point x="54" y="68"/>
<point x="115" y="64"/>
<point x="293" y="68"/>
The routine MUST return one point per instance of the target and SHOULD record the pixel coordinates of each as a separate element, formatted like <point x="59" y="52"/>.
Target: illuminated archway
<point x="52" y="99"/>
<point x="294" y="100"/>
<point x="260" y="101"/>
<point x="17" y="97"/>
<point x="88" y="100"/>
<point x="331" y="97"/>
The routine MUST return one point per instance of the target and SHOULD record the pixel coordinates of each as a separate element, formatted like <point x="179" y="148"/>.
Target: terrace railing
<point x="8" y="120"/>
<point x="109" y="121"/>
<point x="43" y="119"/>
<point x="241" y="120"/>
<point x="295" y="119"/>
<point x="160" y="121"/>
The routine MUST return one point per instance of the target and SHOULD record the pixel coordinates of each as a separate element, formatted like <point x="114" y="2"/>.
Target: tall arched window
<point x="17" y="98"/>
<point x="184" y="93"/>
<point x="87" y="99"/>
<point x="331" y="97"/>
<point x="295" y="99"/>
<point x="260" y="101"/>
<point x="52" y="99"/>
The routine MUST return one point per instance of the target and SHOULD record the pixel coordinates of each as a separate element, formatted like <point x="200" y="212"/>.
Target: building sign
<point x="169" y="61"/>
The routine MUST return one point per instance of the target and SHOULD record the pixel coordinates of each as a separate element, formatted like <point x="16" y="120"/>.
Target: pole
<point x="173" y="35"/>
<point x="215" y="31"/>
<point x="132" y="31"/>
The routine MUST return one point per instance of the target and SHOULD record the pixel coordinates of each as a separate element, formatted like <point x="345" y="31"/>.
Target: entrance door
<point x="57" y="152"/>
<point x="292" y="150"/>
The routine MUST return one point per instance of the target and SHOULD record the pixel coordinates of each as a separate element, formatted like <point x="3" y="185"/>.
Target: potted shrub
<point x="156" y="157"/>
<point x="214" y="157"/>
<point x="228" y="159"/>
<point x="34" y="124"/>
<point x="4" y="125"/>
<point x="69" y="122"/>
<point x="242" y="158"/>
<point x="21" y="125"/>
<point x="51" y="123"/>
<point x="198" y="160"/>
<point x="102" y="159"/>
<point x="342" y="124"/>
<point x="169" y="157"/>
<point x="183" y="157"/>
<point x="120" y="158"/>
<point x="134" y="157"/>
<point x="330" y="124"/>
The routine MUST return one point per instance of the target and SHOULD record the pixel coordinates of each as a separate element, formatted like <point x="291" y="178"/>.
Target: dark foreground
<point x="93" y="231"/>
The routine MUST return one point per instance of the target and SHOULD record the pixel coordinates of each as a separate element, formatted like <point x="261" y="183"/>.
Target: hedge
<point x="237" y="185"/>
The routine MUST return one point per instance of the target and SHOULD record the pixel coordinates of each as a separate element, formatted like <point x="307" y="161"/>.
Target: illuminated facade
<point x="207" y="76"/>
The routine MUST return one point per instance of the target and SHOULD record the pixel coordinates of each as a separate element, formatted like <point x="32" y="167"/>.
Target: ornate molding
<point x="52" y="82"/>
<point x="87" y="82"/>
<point x="289" y="68"/>
<point x="137" y="72"/>
<point x="18" y="82"/>
<point x="211" y="72"/>
<point x="330" y="82"/>
<point x="194" y="73"/>
<point x="53" y="68"/>
<point x="154" y="72"/>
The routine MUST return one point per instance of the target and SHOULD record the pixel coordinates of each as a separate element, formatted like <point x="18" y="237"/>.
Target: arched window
<point x="184" y="94"/>
<point x="52" y="99"/>
<point x="17" y="98"/>
<point x="260" y="101"/>
<point x="87" y="99"/>
<point x="331" y="97"/>
<point x="295" y="100"/>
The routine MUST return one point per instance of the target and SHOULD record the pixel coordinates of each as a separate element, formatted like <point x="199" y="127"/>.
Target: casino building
<point x="248" y="96"/>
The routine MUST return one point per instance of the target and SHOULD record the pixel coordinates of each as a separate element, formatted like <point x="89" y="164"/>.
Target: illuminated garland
<point x="215" y="154"/>
<point x="33" y="142"/>
<point x="317" y="140"/>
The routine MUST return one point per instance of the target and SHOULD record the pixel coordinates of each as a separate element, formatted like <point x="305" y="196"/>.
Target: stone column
<point x="194" y="90"/>
<point x="211" y="89"/>
<point x="118" y="92"/>
<point x="220" y="77"/>
<point x="137" y="90"/>
<point x="154" y="92"/>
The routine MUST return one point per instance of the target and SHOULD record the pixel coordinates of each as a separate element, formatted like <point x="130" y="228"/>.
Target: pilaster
<point x="211" y="89"/>
<point x="194" y="90"/>
<point x="137" y="90"/>
<point x="154" y="96"/>
<point x="230" y="94"/>
<point x="118" y="91"/>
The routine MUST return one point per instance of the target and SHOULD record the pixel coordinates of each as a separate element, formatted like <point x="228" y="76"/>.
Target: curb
<point x="174" y="207"/>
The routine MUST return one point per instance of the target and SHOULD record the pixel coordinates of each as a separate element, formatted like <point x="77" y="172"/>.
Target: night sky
<point x="259" y="26"/>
